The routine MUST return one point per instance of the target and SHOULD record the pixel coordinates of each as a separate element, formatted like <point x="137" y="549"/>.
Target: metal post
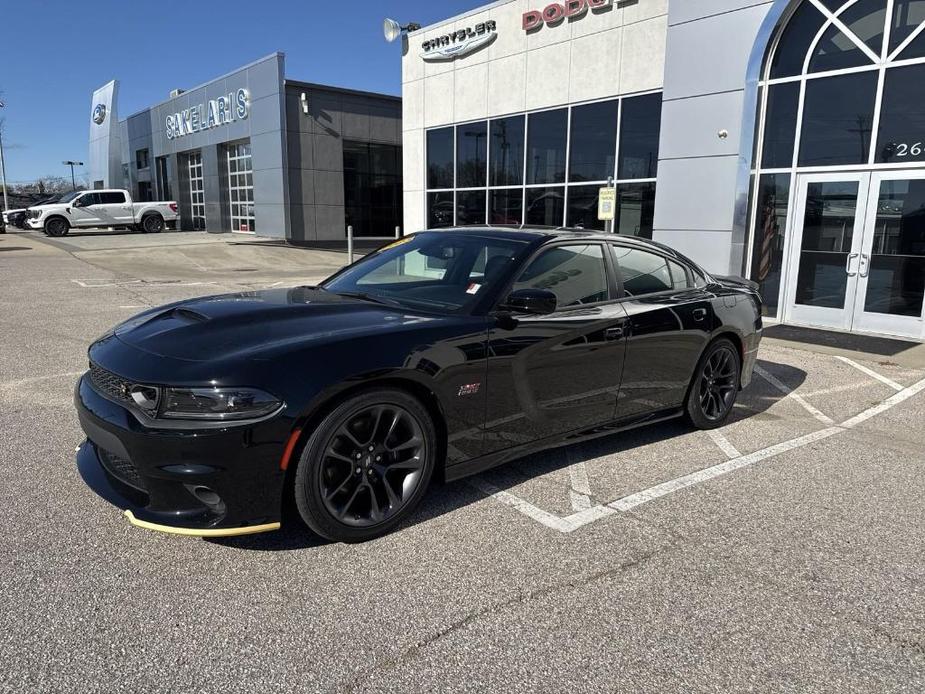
<point x="6" y="202"/>
<point x="350" y="245"/>
<point x="73" y="180"/>
<point x="397" y="232"/>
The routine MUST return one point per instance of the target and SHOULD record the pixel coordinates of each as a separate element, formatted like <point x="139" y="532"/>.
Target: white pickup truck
<point x="100" y="208"/>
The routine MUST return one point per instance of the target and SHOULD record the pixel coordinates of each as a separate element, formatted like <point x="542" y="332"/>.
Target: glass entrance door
<point x="891" y="270"/>
<point x="825" y="249"/>
<point x="857" y="255"/>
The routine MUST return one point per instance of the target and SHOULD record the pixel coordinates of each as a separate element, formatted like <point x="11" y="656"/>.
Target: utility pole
<point x="6" y="201"/>
<point x="72" y="164"/>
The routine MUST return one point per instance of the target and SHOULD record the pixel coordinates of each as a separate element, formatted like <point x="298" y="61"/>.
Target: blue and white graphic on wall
<point x="457" y="44"/>
<point x="99" y="114"/>
<point x="212" y="114"/>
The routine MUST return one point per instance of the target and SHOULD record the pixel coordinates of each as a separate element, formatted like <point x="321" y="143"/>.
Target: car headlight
<point x="220" y="404"/>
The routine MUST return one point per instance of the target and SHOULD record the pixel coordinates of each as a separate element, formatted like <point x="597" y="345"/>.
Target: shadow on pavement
<point x="446" y="498"/>
<point x="856" y="343"/>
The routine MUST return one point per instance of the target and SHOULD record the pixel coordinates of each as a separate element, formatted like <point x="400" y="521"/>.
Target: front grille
<point x="110" y="385"/>
<point x="122" y="469"/>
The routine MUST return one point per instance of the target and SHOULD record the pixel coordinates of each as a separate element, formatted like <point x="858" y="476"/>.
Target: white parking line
<point x="724" y="444"/>
<point x="580" y="492"/>
<point x="586" y="516"/>
<point x="870" y="372"/>
<point x="786" y="390"/>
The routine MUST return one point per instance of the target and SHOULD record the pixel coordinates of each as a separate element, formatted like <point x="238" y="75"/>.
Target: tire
<point x="343" y="505"/>
<point x="715" y="385"/>
<point x="152" y="224"/>
<point x="56" y="227"/>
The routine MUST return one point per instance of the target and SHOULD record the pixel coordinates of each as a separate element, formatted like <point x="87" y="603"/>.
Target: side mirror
<point x="537" y="302"/>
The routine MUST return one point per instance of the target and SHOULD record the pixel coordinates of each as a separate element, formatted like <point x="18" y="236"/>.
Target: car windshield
<point x="67" y="197"/>
<point x="432" y="271"/>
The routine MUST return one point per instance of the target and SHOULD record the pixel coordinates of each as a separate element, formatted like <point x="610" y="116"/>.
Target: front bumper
<point x="203" y="483"/>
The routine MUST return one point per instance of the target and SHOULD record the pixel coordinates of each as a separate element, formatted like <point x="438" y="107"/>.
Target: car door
<point x="670" y="318"/>
<point x="552" y="374"/>
<point x="84" y="211"/>
<point x="114" y="210"/>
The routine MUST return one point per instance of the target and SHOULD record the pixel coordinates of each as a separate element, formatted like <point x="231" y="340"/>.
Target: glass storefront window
<point x="902" y="116"/>
<point x="594" y="141"/>
<point x="795" y="41"/>
<point x="440" y="210"/>
<point x="471" y="155"/>
<point x="907" y="16"/>
<point x="373" y="199"/>
<point x="640" y="129"/>
<point x="635" y="209"/>
<point x="838" y="116"/>
<point x="773" y="202"/>
<point x="780" y="132"/>
<point x="440" y="158"/>
<point x="545" y="206"/>
<point x="582" y="207"/>
<point x="470" y="207"/>
<point x="507" y="206"/>
<point x="547" y="134"/>
<point x="507" y="151"/>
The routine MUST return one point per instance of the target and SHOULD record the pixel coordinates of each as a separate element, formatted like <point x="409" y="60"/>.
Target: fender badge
<point x="469" y="389"/>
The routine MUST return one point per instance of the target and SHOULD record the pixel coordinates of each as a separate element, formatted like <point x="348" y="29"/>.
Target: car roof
<point x="550" y="234"/>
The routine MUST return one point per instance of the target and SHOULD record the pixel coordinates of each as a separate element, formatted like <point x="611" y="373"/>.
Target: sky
<point x="55" y="53"/>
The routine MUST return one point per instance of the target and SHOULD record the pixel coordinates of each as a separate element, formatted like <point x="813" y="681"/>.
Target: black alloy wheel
<point x="366" y="467"/>
<point x="715" y="386"/>
<point x="56" y="227"/>
<point x="152" y="224"/>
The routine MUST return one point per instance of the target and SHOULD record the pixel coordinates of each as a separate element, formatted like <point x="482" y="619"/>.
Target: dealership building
<point x="255" y="152"/>
<point x="781" y="140"/>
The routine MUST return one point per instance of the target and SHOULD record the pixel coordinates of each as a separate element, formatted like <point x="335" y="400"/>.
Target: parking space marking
<point x="580" y="492"/>
<point x="788" y="392"/>
<point x="106" y="283"/>
<point x="586" y="516"/>
<point x="724" y="444"/>
<point x="870" y="372"/>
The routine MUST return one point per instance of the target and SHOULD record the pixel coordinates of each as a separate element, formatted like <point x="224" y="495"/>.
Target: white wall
<point x="615" y="52"/>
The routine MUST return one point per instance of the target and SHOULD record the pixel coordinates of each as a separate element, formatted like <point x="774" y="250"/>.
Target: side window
<point x="575" y="274"/>
<point x="88" y="199"/>
<point x="647" y="273"/>
<point x="112" y="198"/>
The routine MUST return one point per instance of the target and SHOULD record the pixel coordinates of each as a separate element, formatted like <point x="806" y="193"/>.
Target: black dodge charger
<point x="438" y="356"/>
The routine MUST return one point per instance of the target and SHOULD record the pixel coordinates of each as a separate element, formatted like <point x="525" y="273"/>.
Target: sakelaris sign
<point x="557" y="12"/>
<point x="213" y="113"/>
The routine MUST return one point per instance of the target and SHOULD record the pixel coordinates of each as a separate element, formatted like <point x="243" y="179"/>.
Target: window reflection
<point x="896" y="283"/>
<point x="507" y="151"/>
<point x="594" y="141"/>
<point x="640" y="128"/>
<point x="546" y="142"/>
<point x="838" y="116"/>
<point x="440" y="158"/>
<point x="768" y="253"/>
<point x="471" y="155"/>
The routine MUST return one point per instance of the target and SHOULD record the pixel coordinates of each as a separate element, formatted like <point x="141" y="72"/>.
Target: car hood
<point x="257" y="325"/>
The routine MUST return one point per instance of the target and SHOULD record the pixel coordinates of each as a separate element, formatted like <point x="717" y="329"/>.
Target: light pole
<point x="6" y="202"/>
<point x="72" y="164"/>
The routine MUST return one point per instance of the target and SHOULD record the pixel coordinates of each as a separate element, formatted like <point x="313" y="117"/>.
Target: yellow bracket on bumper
<point x="194" y="532"/>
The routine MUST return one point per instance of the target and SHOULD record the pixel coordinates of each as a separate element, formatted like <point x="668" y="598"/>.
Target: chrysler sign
<point x="220" y="111"/>
<point x="459" y="43"/>
<point x="555" y="13"/>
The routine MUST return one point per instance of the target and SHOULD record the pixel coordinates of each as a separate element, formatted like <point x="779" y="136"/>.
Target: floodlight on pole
<point x="392" y="29"/>
<point x="6" y="202"/>
<point x="72" y="164"/>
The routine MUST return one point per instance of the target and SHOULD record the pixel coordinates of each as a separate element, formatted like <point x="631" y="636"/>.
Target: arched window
<point x="843" y="87"/>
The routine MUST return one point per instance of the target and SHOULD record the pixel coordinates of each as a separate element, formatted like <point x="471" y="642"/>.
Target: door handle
<point x="612" y="334"/>
<point x="865" y="265"/>
<point x="699" y="314"/>
<point x="848" y="265"/>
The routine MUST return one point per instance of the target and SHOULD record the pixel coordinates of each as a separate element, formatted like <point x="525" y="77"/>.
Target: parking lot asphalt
<point x="784" y="553"/>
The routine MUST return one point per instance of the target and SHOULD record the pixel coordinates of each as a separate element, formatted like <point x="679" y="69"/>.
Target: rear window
<point x="112" y="198"/>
